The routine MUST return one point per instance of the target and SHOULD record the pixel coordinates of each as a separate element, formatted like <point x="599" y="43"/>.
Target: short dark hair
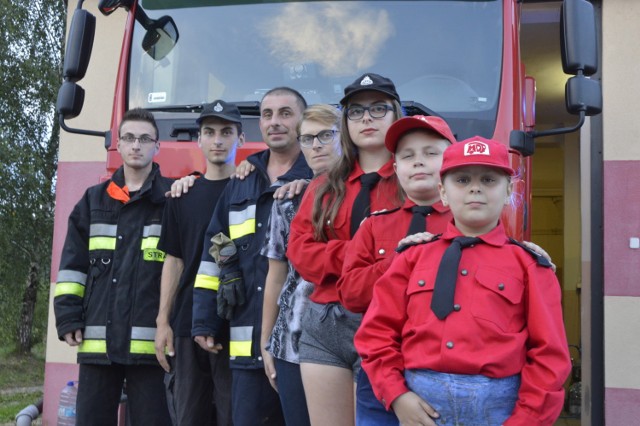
<point x="284" y="90"/>
<point x="139" y="114"/>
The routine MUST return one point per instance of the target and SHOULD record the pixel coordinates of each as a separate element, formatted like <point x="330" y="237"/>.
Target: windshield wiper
<point x="245" y="107"/>
<point x="416" y="108"/>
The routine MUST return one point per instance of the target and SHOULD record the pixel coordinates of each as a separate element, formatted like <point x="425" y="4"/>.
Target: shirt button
<point x="500" y="286"/>
<point x="119" y="237"/>
<point x="421" y="283"/>
<point x="259" y="225"/>
<point x="450" y="345"/>
<point x="259" y="358"/>
<point x="114" y="280"/>
<point x="456" y="307"/>
<point x="464" y="272"/>
<point x="381" y="251"/>
<point x="259" y="288"/>
<point x="108" y="322"/>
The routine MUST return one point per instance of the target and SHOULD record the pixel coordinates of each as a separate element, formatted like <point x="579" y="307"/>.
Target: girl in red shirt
<point x="330" y="213"/>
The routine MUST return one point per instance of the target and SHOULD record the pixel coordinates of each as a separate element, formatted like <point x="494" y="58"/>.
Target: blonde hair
<point x="321" y="113"/>
<point x="330" y="194"/>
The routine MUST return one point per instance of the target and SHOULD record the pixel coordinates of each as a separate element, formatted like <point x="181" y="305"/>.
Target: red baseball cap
<point x="429" y="122"/>
<point x="477" y="151"/>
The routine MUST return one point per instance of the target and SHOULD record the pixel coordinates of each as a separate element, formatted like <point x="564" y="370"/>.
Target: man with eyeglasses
<point x="108" y="286"/>
<point x="200" y="376"/>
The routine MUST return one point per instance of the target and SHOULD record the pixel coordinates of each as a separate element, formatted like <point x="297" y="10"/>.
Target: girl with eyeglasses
<point x="361" y="181"/>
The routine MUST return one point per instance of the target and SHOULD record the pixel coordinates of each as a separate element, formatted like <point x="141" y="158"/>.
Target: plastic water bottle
<point x="67" y="407"/>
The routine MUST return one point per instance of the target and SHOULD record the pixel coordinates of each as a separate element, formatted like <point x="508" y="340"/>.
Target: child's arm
<point x="548" y="364"/>
<point x="361" y="269"/>
<point x="379" y="338"/>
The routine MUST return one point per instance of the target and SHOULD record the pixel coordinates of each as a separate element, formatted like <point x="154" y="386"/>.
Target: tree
<point x="31" y="42"/>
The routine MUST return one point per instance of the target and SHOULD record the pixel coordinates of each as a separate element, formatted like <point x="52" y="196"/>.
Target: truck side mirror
<point x="578" y="41"/>
<point x="79" y="45"/>
<point x="162" y="35"/>
<point x="583" y="94"/>
<point x="70" y="100"/>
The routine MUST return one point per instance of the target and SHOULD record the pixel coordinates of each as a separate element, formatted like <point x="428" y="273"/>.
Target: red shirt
<point x="373" y="248"/>
<point x="321" y="262"/>
<point x="509" y="321"/>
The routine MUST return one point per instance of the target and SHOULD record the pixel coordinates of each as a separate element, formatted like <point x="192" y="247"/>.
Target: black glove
<point x="230" y="293"/>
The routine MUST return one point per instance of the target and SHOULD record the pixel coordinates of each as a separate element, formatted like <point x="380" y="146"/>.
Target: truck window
<point x="445" y="55"/>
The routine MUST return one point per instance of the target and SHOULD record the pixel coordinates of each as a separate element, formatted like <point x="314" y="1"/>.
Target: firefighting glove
<point x="230" y="293"/>
<point x="231" y="287"/>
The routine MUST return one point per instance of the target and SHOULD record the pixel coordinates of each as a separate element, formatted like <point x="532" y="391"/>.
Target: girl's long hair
<point x="330" y="194"/>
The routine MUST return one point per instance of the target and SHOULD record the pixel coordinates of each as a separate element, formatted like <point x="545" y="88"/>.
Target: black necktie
<point x="445" y="286"/>
<point x="418" y="220"/>
<point x="362" y="203"/>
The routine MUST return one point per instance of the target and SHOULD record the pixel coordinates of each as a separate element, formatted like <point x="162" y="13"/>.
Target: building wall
<point x="621" y="127"/>
<point x="81" y="164"/>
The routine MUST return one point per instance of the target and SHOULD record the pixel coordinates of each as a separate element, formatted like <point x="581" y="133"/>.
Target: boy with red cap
<point x="471" y="336"/>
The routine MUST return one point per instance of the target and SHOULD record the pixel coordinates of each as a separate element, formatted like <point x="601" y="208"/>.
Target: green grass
<point x="19" y="372"/>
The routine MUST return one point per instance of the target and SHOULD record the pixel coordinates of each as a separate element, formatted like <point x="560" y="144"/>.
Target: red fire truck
<point x="457" y="59"/>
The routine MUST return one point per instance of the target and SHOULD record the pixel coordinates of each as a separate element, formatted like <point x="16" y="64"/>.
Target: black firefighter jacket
<point x="108" y="283"/>
<point x="242" y="213"/>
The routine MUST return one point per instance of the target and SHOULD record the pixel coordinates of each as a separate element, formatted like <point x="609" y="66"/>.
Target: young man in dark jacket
<point x="108" y="286"/>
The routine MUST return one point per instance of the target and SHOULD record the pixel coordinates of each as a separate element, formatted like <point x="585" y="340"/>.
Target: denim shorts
<point x="466" y="400"/>
<point x="327" y="336"/>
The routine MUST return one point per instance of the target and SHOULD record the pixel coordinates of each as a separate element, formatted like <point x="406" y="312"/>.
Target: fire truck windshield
<point x="445" y="55"/>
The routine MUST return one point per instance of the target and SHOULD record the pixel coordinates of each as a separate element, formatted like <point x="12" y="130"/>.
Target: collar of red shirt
<point x="386" y="171"/>
<point x="496" y="237"/>
<point x="437" y="206"/>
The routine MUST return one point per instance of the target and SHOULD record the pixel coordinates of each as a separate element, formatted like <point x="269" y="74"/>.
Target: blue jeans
<point x="465" y="400"/>
<point x="253" y="401"/>
<point x="370" y="411"/>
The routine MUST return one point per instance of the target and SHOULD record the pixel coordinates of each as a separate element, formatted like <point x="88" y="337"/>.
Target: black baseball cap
<point x="220" y="109"/>
<point x="370" y="81"/>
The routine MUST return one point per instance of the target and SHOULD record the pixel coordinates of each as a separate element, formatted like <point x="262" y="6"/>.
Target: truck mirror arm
<point x="64" y="126"/>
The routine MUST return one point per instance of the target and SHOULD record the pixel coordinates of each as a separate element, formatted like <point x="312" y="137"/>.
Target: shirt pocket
<point x="419" y="295"/>
<point x="497" y="298"/>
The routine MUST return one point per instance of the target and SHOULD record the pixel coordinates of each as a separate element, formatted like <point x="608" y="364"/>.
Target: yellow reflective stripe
<point x="240" y="348"/>
<point x="149" y="243"/>
<point x="93" y="346"/>
<point x="240" y="230"/>
<point x="207" y="282"/>
<point x="142" y="347"/>
<point x="64" y="289"/>
<point x="102" y="243"/>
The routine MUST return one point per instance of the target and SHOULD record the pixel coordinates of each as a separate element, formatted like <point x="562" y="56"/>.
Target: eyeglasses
<point x="356" y="112"/>
<point x="325" y="137"/>
<point x="144" y="139"/>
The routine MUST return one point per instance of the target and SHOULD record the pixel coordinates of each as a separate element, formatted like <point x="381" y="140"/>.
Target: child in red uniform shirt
<point x="486" y="344"/>
<point x="417" y="144"/>
<point x="330" y="213"/>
